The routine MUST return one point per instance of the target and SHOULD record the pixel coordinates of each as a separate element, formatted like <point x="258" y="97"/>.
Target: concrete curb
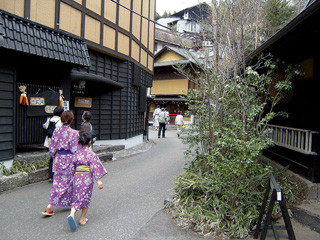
<point x="38" y="175"/>
<point x="145" y="146"/>
<point x="306" y="218"/>
<point x="13" y="181"/>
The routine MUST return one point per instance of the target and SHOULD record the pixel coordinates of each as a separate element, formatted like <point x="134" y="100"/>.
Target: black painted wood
<point x="6" y="114"/>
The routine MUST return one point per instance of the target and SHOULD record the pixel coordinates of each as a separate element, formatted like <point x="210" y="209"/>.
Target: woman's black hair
<point x="87" y="116"/>
<point x="84" y="138"/>
<point x="58" y="111"/>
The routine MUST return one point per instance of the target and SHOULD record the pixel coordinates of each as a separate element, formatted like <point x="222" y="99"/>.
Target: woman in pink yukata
<point x="88" y="165"/>
<point x="63" y="145"/>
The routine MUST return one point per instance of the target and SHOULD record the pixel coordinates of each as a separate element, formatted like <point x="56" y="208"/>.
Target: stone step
<point x="107" y="148"/>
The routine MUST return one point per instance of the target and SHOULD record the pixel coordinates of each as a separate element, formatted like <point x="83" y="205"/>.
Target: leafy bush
<point x="24" y="166"/>
<point x="222" y="189"/>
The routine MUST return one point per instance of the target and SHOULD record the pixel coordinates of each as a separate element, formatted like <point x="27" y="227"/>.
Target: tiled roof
<point x="22" y="35"/>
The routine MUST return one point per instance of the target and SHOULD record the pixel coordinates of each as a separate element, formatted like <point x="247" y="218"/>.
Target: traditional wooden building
<point x="168" y="85"/>
<point x="187" y="20"/>
<point x="297" y="137"/>
<point x="98" y="52"/>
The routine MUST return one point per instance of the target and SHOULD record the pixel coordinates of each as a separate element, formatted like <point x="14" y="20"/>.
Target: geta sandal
<point x="47" y="213"/>
<point x="84" y="222"/>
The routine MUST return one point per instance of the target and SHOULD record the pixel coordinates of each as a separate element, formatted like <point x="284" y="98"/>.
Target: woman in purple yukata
<point x="88" y="165"/>
<point x="63" y="145"/>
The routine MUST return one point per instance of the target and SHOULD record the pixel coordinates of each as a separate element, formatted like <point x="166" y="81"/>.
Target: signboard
<point x="79" y="88"/>
<point x="43" y="104"/>
<point x="83" y="102"/>
<point x="65" y="105"/>
<point x="37" y="101"/>
<point x="49" y="109"/>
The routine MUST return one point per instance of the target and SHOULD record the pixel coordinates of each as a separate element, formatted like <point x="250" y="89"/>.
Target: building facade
<point x="297" y="137"/>
<point x="94" y="55"/>
<point x="168" y="85"/>
<point x="187" y="20"/>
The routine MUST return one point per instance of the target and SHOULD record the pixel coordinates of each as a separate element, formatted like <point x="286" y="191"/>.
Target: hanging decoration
<point x="23" y="96"/>
<point x="61" y="98"/>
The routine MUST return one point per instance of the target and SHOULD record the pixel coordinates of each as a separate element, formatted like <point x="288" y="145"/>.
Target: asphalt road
<point x="134" y="191"/>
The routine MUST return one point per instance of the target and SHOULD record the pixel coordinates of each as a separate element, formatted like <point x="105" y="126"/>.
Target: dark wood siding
<point x="29" y="130"/>
<point x="116" y="113"/>
<point x="6" y="113"/>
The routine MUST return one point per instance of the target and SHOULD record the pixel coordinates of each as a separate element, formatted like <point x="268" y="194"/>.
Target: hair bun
<point x="84" y="138"/>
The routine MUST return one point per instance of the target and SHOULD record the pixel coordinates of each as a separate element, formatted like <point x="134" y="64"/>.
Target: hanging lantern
<point x="23" y="96"/>
<point x="61" y="98"/>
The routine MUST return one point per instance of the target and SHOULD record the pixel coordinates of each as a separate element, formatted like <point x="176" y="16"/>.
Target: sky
<point x="175" y="5"/>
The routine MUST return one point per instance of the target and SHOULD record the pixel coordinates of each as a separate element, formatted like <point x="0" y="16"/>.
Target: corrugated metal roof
<point x="181" y="51"/>
<point x="22" y="35"/>
<point x="171" y="63"/>
<point x="171" y="38"/>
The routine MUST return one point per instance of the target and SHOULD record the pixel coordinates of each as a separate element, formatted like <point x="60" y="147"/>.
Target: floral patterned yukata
<point x="63" y="145"/>
<point x="83" y="180"/>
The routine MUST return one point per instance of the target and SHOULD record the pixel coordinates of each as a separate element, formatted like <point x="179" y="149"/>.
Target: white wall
<point x="128" y="143"/>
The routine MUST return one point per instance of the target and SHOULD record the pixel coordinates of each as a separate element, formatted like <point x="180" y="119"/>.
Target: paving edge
<point x="21" y="179"/>
<point x="306" y="218"/>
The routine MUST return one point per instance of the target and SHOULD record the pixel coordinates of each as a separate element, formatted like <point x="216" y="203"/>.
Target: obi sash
<point x="83" y="169"/>
<point x="64" y="152"/>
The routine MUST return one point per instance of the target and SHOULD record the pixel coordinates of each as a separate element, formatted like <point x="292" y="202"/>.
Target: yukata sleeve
<point x="74" y="142"/>
<point x="46" y="124"/>
<point x="52" y="145"/>
<point x="96" y="167"/>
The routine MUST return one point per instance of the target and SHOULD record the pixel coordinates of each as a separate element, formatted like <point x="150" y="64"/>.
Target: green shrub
<point x="24" y="166"/>
<point x="222" y="188"/>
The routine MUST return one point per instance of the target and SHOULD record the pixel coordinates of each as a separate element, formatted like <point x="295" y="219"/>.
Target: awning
<point x="89" y="77"/>
<point x="25" y="36"/>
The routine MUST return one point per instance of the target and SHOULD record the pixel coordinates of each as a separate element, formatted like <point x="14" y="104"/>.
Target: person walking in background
<point x="50" y="125"/>
<point x="156" y="117"/>
<point x="162" y="123"/>
<point x="63" y="145"/>
<point x="88" y="165"/>
<point x="179" y="123"/>
<point x="167" y="116"/>
<point x="86" y="126"/>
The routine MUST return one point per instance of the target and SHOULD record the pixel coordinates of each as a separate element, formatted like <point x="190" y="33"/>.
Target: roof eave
<point x="285" y="30"/>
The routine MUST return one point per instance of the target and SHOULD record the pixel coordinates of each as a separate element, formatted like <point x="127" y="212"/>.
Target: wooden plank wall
<point x="116" y="112"/>
<point x="6" y="113"/>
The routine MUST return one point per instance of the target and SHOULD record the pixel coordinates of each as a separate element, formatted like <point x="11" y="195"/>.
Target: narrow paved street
<point x="135" y="189"/>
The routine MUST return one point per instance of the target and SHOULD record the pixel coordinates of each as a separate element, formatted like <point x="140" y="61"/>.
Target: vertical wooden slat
<point x="29" y="129"/>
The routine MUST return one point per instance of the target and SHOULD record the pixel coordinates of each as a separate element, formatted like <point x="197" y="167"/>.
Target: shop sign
<point x="79" y="88"/>
<point x="37" y="101"/>
<point x="83" y="102"/>
<point x="49" y="109"/>
<point x="43" y="103"/>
